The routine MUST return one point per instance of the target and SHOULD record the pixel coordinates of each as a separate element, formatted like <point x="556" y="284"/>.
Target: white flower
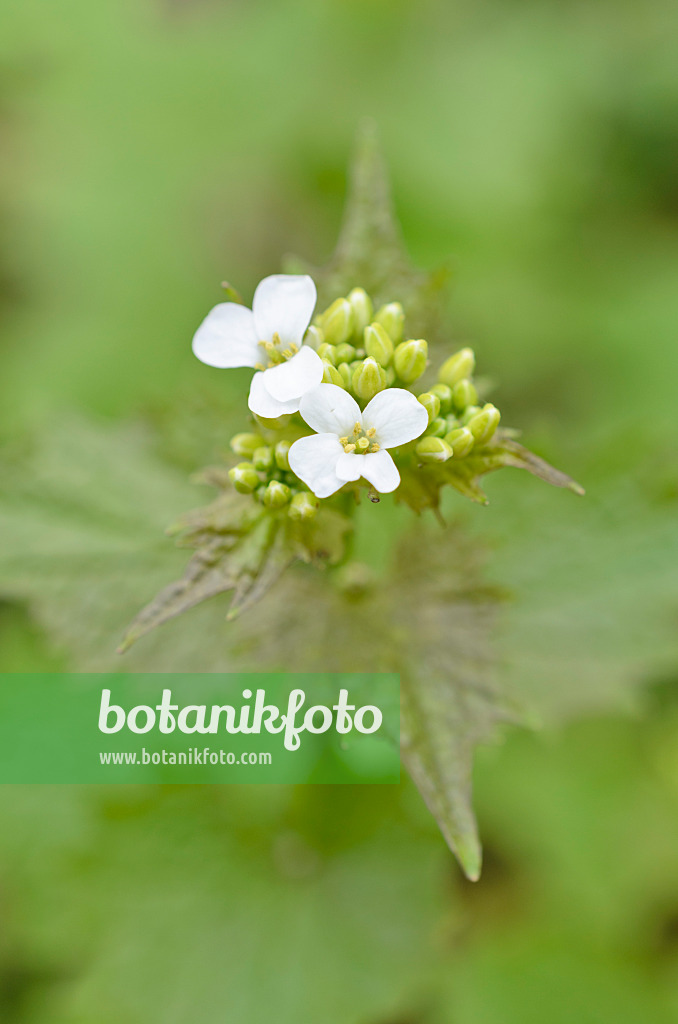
<point x="350" y="443"/>
<point x="269" y="338"/>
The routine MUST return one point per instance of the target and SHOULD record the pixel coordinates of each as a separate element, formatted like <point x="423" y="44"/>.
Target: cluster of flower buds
<point x="457" y="424"/>
<point x="349" y="374"/>
<point x="363" y="351"/>
<point x="267" y="477"/>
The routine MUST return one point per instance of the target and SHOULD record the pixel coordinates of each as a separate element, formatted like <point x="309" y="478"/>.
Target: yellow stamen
<point x="371" y="432"/>
<point x="349" y="448"/>
<point x="375" y="448"/>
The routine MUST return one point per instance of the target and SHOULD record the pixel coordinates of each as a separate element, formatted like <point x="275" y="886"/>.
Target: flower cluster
<point x="349" y="375"/>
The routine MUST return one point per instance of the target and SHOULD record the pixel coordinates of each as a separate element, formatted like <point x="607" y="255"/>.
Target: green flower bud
<point x="368" y="379"/>
<point x="361" y="305"/>
<point x="246" y="444"/>
<point x="378" y="344"/>
<point x="244" y="477"/>
<point x="461" y="441"/>
<point x="331" y="375"/>
<point x="457" y="367"/>
<point x="314" y="337"/>
<point x="390" y="376"/>
<point x="336" y="322"/>
<point x="276" y="495"/>
<point x="263" y="459"/>
<point x="328" y="353"/>
<point x="437" y="427"/>
<point x="469" y="413"/>
<point x="346" y="374"/>
<point x="410" y="360"/>
<point x="303" y="506"/>
<point x="463" y="395"/>
<point x="431" y="403"/>
<point x="433" y="449"/>
<point x="345" y="353"/>
<point x="445" y="395"/>
<point x="484" y="423"/>
<point x="392" y="318"/>
<point x="281" y="450"/>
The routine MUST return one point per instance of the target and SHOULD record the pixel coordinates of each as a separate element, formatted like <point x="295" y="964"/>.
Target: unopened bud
<point x="328" y="353"/>
<point x="314" y="337"/>
<point x="263" y="459"/>
<point x="392" y="318"/>
<point x="303" y="506"/>
<point x="457" y="367"/>
<point x="336" y="322"/>
<point x="244" y="477"/>
<point x="431" y="403"/>
<point x="469" y="413"/>
<point x="445" y="395"/>
<point x="484" y="423"/>
<point x="433" y="449"/>
<point x="437" y="427"/>
<point x="345" y="353"/>
<point x="277" y="494"/>
<point x="410" y="360"/>
<point x="461" y="441"/>
<point x="378" y="344"/>
<point x="361" y="305"/>
<point x="390" y="375"/>
<point x="368" y="379"/>
<point x="346" y="374"/>
<point x="331" y="375"/>
<point x="280" y="454"/>
<point x="246" y="444"/>
<point x="463" y="395"/>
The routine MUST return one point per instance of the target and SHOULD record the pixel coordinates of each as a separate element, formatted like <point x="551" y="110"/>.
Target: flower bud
<point x="410" y="360"/>
<point x="368" y="379"/>
<point x="378" y="344"/>
<point x="331" y="375"/>
<point x="437" y="427"/>
<point x="328" y="353"/>
<point x="346" y="374"/>
<point x="469" y="413"/>
<point x="314" y="337"/>
<point x="263" y="459"/>
<point x="445" y="395"/>
<point x="484" y="423"/>
<point x="390" y="376"/>
<point x="303" y="506"/>
<point x="433" y="449"/>
<point x="431" y="403"/>
<point x="361" y="305"/>
<point x="276" y="495"/>
<point x="280" y="454"/>
<point x="345" y="353"/>
<point x="460" y="365"/>
<point x="392" y="318"/>
<point x="461" y="441"/>
<point x="246" y="444"/>
<point x="336" y="322"/>
<point x="463" y="395"/>
<point x="244" y="477"/>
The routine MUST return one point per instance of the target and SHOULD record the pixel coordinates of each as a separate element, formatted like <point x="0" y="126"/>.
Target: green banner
<point x="201" y="728"/>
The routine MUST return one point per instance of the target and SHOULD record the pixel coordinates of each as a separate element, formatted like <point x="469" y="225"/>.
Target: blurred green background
<point x="150" y="150"/>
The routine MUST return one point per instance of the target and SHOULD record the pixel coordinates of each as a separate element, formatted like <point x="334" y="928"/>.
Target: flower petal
<point x="264" y="404"/>
<point x="314" y="459"/>
<point x="293" y="378"/>
<point x="328" y="408"/>
<point x="397" y="417"/>
<point x="227" y="337"/>
<point x="381" y="471"/>
<point x="349" y="466"/>
<point x="284" y="304"/>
